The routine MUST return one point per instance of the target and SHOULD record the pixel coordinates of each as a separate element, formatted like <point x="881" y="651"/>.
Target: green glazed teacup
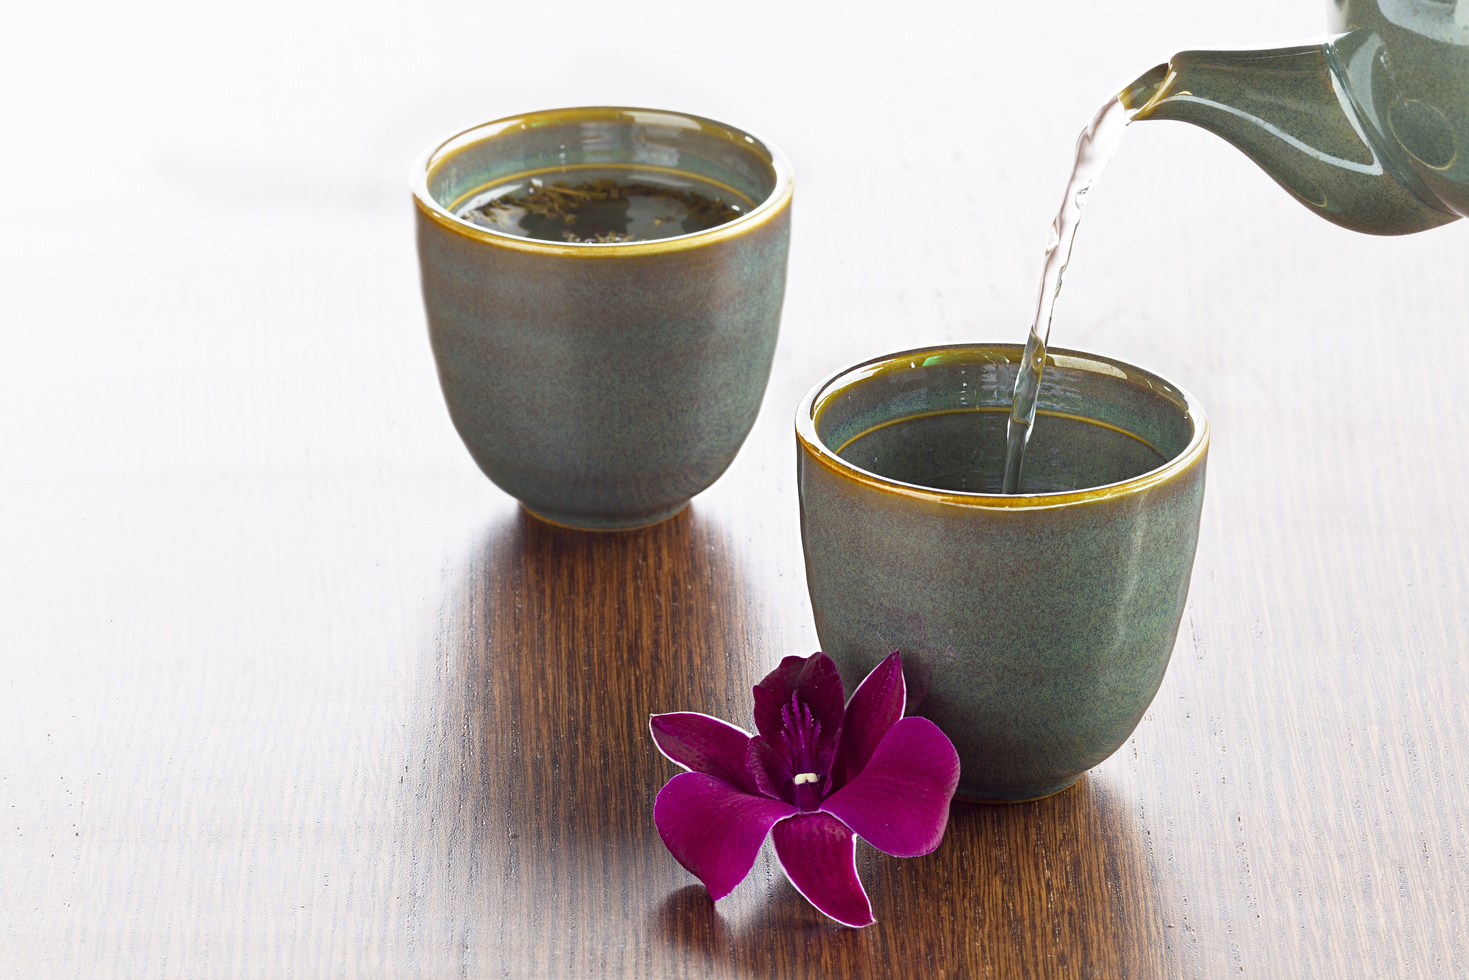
<point x="603" y="385"/>
<point x="1034" y="628"/>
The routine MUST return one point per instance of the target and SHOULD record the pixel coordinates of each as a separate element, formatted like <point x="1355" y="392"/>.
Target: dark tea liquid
<point x="602" y="209"/>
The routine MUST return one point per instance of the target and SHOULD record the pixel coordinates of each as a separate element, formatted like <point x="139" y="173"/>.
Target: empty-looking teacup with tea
<point x="1035" y="627"/>
<point x="603" y="289"/>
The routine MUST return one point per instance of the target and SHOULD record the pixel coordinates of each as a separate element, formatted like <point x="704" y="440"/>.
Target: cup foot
<point x="1027" y="794"/>
<point x="587" y="522"/>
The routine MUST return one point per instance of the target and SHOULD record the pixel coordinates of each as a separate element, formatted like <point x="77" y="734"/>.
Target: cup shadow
<point x="534" y="851"/>
<point x="1062" y="887"/>
<point x="555" y="647"/>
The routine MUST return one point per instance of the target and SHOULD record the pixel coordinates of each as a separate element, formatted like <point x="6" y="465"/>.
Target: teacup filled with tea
<point x="1035" y="626"/>
<point x="603" y="288"/>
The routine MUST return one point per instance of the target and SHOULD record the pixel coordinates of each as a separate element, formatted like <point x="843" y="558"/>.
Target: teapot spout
<point x="1287" y="111"/>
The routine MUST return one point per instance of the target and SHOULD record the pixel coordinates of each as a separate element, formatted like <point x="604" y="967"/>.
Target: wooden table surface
<point x="289" y="689"/>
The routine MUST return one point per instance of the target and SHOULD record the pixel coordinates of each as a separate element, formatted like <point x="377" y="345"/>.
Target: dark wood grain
<point x="288" y="689"/>
<point x="561" y="646"/>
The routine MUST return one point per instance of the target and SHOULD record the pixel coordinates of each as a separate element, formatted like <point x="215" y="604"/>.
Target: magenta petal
<point x="815" y="681"/>
<point x="713" y="829"/>
<point x="819" y="855"/>
<point x="704" y="744"/>
<point x="770" y="769"/>
<point x="900" y="802"/>
<point x="876" y="706"/>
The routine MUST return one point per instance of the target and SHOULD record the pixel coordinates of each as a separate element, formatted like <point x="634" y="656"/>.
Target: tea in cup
<point x="1035" y="627"/>
<point x="603" y="289"/>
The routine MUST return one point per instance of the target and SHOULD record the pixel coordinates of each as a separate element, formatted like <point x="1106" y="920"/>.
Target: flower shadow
<point x="531" y="848"/>
<point x="1060" y="887"/>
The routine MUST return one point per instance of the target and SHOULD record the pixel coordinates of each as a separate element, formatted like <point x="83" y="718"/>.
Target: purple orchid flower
<point x="816" y="775"/>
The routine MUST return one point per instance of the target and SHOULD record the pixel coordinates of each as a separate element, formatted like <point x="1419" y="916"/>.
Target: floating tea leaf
<point x="601" y="211"/>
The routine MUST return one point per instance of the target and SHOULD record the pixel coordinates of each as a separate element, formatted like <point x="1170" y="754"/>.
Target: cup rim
<point x="811" y="444"/>
<point x="440" y="150"/>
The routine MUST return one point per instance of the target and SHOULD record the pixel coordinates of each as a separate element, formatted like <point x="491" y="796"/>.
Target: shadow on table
<point x="1062" y="887"/>
<point x="539" y="856"/>
<point x="542" y="858"/>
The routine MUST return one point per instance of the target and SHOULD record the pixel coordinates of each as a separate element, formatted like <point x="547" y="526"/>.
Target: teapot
<point x="1369" y="129"/>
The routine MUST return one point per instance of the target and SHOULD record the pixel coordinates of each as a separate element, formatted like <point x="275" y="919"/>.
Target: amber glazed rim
<point x="443" y="150"/>
<point x="821" y="395"/>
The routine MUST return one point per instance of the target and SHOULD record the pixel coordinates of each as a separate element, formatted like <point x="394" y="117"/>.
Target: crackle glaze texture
<point x="1035" y="629"/>
<point x="603" y="385"/>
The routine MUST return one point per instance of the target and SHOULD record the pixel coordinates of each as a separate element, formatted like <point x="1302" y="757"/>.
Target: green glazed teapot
<point x="1369" y="129"/>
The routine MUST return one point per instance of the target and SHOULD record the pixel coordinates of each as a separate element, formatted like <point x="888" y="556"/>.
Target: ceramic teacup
<point x="1035" y="628"/>
<point x="603" y="385"/>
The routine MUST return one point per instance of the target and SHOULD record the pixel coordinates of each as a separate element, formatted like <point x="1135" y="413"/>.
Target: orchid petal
<point x="899" y="803"/>
<point x="704" y="744"/>
<point x="769" y="766"/>
<point x="814" y="681"/>
<point x="875" y="706"/>
<point x="819" y="855"/>
<point x="713" y="829"/>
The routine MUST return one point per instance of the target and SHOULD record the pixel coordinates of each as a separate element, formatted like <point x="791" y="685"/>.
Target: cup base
<point x="585" y="522"/>
<point x="1028" y="794"/>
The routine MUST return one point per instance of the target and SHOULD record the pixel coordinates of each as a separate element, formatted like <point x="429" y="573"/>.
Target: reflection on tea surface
<point x="603" y="207"/>
<point x="965" y="451"/>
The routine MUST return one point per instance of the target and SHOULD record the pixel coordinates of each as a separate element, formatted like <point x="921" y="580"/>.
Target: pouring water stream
<point x="1096" y="145"/>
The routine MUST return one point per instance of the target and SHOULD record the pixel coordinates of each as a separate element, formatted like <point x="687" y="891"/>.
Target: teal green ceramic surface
<point x="603" y="385"/>
<point x="1369" y="129"/>
<point x="1035" y="628"/>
